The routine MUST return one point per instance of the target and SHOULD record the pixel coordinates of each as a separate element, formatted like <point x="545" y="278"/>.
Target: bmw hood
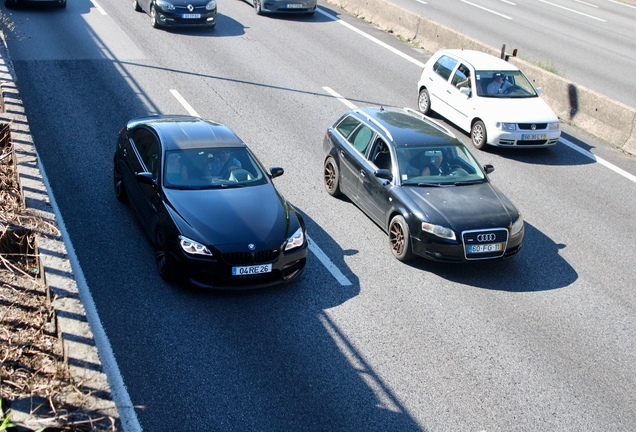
<point x="461" y="208"/>
<point x="218" y="217"/>
<point x="516" y="110"/>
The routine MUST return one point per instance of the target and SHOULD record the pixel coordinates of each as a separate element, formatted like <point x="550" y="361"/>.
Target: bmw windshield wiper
<point x="232" y="185"/>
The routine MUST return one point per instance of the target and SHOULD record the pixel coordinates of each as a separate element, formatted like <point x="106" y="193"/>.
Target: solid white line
<point x="487" y="10"/>
<point x="118" y="390"/>
<point x="622" y="4"/>
<point x="324" y="259"/>
<point x="572" y="10"/>
<point x="98" y="7"/>
<point x="595" y="158"/>
<point x="420" y="1"/>
<point x="587" y="4"/>
<point x="509" y="2"/>
<point x="339" y="97"/>
<point x="185" y="103"/>
<point x="371" y="38"/>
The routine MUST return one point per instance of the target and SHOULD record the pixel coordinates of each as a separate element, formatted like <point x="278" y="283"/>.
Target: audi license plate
<point x="492" y="247"/>
<point x="191" y="16"/>
<point x="294" y="6"/>
<point x="532" y="137"/>
<point x="251" y="270"/>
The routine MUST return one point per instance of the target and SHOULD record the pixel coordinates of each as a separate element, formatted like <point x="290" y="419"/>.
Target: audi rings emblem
<point x="533" y="127"/>
<point x="486" y="237"/>
<point x="251" y="246"/>
<point x="190" y="7"/>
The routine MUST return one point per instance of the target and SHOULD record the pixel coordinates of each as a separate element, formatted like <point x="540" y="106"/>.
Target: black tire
<point x="258" y="8"/>
<point x="162" y="258"/>
<point x="118" y="183"/>
<point x="424" y="102"/>
<point x="153" y="17"/>
<point x="400" y="239"/>
<point x="136" y="6"/>
<point x="331" y="177"/>
<point x="478" y="134"/>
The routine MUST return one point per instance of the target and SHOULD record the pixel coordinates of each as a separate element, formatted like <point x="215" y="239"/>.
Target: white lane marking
<point x="420" y="1"/>
<point x="118" y="389"/>
<point x="324" y="259"/>
<point x="586" y="3"/>
<point x="371" y="38"/>
<point x="339" y="97"/>
<point x="98" y="7"/>
<point x="622" y="4"/>
<point x="595" y="158"/>
<point x="487" y="10"/>
<point x="572" y="10"/>
<point x="509" y="2"/>
<point x="185" y="103"/>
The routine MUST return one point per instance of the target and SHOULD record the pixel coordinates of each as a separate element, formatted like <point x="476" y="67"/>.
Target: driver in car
<point x="222" y="163"/>
<point x="498" y="84"/>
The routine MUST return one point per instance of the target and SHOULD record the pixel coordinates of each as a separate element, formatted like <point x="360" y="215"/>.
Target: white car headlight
<point x="438" y="230"/>
<point x="164" y="5"/>
<point x="211" y="5"/>
<point x="506" y="126"/>
<point x="192" y="247"/>
<point x="295" y="241"/>
<point x="553" y="126"/>
<point x="516" y="227"/>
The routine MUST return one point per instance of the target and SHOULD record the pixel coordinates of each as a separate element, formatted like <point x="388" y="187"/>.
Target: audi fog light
<point x="164" y="5"/>
<point x="295" y="241"/>
<point x="438" y="230"/>
<point x="192" y="247"/>
<point x="507" y="126"/>
<point x="211" y="5"/>
<point x="516" y="227"/>
<point x="553" y="126"/>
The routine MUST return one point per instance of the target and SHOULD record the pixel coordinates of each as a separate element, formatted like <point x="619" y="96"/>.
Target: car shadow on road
<point x="538" y="267"/>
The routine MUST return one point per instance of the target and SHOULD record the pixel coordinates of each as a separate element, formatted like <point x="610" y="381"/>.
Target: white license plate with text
<point x="294" y="6"/>
<point x="532" y="137"/>
<point x="492" y="247"/>
<point x="191" y="16"/>
<point x="251" y="270"/>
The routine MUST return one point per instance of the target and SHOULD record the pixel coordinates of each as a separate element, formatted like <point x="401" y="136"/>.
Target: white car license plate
<point x="191" y="16"/>
<point x="294" y="6"/>
<point x="251" y="270"/>
<point x="493" y="247"/>
<point x="532" y="137"/>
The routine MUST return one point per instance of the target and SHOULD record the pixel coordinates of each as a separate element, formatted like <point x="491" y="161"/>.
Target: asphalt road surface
<point x="545" y="341"/>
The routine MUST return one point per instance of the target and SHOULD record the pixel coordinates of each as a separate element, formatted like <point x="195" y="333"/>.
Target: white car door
<point x="460" y="105"/>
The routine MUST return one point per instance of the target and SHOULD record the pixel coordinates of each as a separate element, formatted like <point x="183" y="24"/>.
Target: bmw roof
<point x="180" y="131"/>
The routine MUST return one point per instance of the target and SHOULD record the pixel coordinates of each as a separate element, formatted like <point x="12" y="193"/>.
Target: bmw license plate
<point x="294" y="6"/>
<point x="493" y="247"/>
<point x="251" y="270"/>
<point x="191" y="16"/>
<point x="532" y="137"/>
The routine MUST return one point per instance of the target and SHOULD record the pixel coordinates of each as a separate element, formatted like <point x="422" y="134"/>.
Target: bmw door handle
<point x="342" y="153"/>
<point x="362" y="174"/>
<point x="125" y="152"/>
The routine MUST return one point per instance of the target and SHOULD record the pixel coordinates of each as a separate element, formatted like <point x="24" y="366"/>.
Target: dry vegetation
<point x="32" y="369"/>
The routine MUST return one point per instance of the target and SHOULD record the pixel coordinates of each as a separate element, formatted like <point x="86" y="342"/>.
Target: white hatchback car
<point x="488" y="97"/>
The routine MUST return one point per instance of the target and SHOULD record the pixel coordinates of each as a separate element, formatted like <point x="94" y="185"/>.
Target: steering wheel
<point x="511" y="89"/>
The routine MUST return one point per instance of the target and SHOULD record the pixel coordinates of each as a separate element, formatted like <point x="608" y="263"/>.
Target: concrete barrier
<point x="604" y="118"/>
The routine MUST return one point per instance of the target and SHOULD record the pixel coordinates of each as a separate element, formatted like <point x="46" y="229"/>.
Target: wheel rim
<point x="153" y="17"/>
<point x="330" y="177"/>
<point x="423" y="102"/>
<point x="397" y="238"/>
<point x="478" y="134"/>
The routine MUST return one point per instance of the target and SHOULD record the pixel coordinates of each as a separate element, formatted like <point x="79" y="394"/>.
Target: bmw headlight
<point x="295" y="241"/>
<point x="164" y="5"/>
<point x="507" y="126"/>
<point x="516" y="227"/>
<point x="192" y="247"/>
<point x="553" y="126"/>
<point x="211" y="5"/>
<point x="438" y="230"/>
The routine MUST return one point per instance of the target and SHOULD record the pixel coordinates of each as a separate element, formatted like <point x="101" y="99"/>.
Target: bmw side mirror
<point x="383" y="174"/>
<point x="489" y="168"/>
<point x="145" y="178"/>
<point x="276" y="171"/>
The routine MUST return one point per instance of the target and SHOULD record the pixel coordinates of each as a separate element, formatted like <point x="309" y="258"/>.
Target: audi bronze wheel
<point x="400" y="239"/>
<point x="332" y="177"/>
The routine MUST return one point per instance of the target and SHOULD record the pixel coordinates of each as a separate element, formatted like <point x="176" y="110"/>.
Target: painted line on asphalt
<point x="601" y="161"/>
<point x="340" y="97"/>
<point x="487" y="10"/>
<point x="313" y="247"/>
<point x="622" y="4"/>
<point x="372" y="39"/>
<point x="98" y="7"/>
<point x="572" y="10"/>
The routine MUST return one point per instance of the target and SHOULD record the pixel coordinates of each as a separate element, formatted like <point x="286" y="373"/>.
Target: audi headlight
<point x="553" y="126"/>
<point x="506" y="126"/>
<point x="211" y="5"/>
<point x="164" y="5"/>
<point x="295" y="241"/>
<point x="438" y="230"/>
<point x="516" y="227"/>
<point x="192" y="247"/>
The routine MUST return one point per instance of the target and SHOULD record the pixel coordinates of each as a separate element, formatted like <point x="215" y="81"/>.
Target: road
<point x="591" y="42"/>
<point x="362" y="342"/>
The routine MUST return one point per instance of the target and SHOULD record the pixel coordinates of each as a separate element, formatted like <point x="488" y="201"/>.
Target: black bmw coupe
<point x="208" y="205"/>
<point x="421" y="185"/>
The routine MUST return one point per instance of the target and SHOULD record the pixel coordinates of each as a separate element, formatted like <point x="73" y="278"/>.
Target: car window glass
<point x="380" y="155"/>
<point x="461" y="74"/>
<point x="361" y="138"/>
<point x="148" y="148"/>
<point x="444" y="66"/>
<point x="346" y="126"/>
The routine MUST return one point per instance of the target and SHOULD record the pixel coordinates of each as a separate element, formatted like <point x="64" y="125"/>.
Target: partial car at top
<point x="307" y="7"/>
<point x="207" y="204"/>
<point x="13" y="3"/>
<point x="487" y="97"/>
<point x="421" y="185"/>
<point x="178" y="13"/>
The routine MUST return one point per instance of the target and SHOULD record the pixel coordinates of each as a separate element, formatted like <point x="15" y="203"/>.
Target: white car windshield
<point x="503" y="84"/>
